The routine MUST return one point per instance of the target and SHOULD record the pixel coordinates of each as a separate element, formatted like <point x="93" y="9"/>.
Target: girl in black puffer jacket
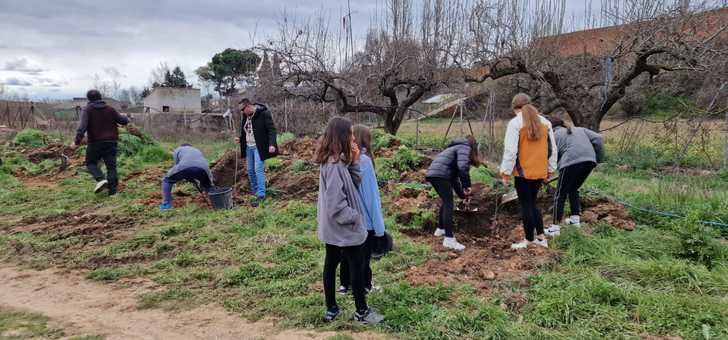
<point x="450" y="170"/>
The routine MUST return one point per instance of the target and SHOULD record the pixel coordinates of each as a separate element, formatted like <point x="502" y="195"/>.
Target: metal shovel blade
<point x="509" y="196"/>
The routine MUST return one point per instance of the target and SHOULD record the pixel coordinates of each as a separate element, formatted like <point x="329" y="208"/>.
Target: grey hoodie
<point x="186" y="157"/>
<point x="339" y="207"/>
<point x="582" y="145"/>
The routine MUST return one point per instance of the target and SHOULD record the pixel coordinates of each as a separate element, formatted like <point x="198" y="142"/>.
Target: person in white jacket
<point x="530" y="156"/>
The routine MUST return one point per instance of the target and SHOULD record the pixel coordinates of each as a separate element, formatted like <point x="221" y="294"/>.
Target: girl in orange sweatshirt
<point x="530" y="156"/>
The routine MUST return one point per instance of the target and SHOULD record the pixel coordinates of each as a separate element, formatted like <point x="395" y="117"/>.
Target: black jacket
<point x="99" y="121"/>
<point x="453" y="164"/>
<point x="264" y="131"/>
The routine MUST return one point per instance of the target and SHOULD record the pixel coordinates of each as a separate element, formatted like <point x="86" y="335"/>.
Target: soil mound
<point x="300" y="148"/>
<point x="487" y="228"/>
<point x="291" y="175"/>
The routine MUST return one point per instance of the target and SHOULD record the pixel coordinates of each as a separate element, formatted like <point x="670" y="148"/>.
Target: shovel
<point x="464" y="207"/>
<point x="512" y="195"/>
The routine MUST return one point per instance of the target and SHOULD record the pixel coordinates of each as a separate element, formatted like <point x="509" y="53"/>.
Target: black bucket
<point x="221" y="198"/>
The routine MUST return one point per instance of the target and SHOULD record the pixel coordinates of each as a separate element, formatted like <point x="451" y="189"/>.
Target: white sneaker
<point x="574" y="220"/>
<point x="101" y="185"/>
<point x="541" y="242"/>
<point x="553" y="230"/>
<point x="520" y="245"/>
<point x="451" y="243"/>
<point x="439" y="232"/>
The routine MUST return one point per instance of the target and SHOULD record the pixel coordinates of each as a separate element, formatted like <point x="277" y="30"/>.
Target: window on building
<point x="165" y="108"/>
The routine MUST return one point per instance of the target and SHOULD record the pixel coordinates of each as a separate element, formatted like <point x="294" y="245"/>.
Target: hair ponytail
<point x="529" y="114"/>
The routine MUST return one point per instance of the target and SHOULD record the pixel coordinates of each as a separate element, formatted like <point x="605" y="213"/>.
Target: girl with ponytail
<point x="530" y="156"/>
<point x="579" y="151"/>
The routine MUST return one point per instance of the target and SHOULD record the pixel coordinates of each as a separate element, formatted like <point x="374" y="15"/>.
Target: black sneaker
<point x="368" y="317"/>
<point x="332" y="314"/>
<point x="343" y="290"/>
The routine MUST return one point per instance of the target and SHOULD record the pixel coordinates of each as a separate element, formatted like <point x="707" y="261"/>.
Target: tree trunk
<point x="391" y="122"/>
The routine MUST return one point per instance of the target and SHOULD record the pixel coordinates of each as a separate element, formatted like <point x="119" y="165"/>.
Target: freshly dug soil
<point x="488" y="262"/>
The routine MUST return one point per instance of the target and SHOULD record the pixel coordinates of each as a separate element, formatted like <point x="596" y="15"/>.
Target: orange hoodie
<point x="530" y="159"/>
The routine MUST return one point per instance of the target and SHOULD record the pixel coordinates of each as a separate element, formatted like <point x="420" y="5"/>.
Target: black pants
<point x="106" y="151"/>
<point x="527" y="190"/>
<point x="444" y="190"/>
<point x="571" y="179"/>
<point x="345" y="273"/>
<point x="354" y="257"/>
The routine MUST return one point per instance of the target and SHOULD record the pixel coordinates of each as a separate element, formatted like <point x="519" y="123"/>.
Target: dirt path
<point x="89" y="307"/>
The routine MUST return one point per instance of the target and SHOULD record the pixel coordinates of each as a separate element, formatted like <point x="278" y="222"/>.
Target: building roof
<point x="601" y="41"/>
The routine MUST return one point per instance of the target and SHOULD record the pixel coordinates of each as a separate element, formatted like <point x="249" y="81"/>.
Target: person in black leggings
<point x="579" y="150"/>
<point x="450" y="171"/>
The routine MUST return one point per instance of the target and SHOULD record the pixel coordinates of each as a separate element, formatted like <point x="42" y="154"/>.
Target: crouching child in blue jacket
<point x="189" y="164"/>
<point x="371" y="207"/>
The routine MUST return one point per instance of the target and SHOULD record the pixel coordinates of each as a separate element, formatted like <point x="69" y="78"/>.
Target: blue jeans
<point x="256" y="171"/>
<point x="194" y="175"/>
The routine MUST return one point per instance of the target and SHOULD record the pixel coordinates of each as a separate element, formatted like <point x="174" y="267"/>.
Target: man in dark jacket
<point x="258" y="143"/>
<point x="100" y="122"/>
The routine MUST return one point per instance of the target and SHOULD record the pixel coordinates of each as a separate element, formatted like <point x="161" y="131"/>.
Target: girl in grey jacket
<point x="340" y="224"/>
<point x="579" y="151"/>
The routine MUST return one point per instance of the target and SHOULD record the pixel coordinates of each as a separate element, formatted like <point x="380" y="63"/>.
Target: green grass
<point x="23" y="325"/>
<point x="668" y="277"/>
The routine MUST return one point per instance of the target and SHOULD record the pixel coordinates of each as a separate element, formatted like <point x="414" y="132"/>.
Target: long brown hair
<point x="529" y="114"/>
<point x="556" y="121"/>
<point x="363" y="137"/>
<point x="336" y="141"/>
<point x="475" y="159"/>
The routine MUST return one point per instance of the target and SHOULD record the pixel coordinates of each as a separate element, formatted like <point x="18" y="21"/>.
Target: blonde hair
<point x="529" y="114"/>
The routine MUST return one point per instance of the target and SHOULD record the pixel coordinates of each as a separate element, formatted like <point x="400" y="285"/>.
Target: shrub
<point x="273" y="164"/>
<point x="406" y="159"/>
<point x="484" y="175"/>
<point x="300" y="165"/>
<point x="154" y="154"/>
<point x="698" y="244"/>
<point x="129" y="145"/>
<point x="381" y="139"/>
<point x="285" y="137"/>
<point x="30" y="138"/>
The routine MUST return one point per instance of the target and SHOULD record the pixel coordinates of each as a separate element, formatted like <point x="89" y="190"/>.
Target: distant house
<point x="173" y="100"/>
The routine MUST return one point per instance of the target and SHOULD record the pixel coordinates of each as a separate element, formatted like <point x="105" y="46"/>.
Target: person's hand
<point x="354" y="152"/>
<point x="548" y="178"/>
<point x="237" y="140"/>
<point x="505" y="179"/>
<point x="271" y="149"/>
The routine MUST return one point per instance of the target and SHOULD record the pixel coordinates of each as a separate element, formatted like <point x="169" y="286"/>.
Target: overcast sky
<point x="54" y="49"/>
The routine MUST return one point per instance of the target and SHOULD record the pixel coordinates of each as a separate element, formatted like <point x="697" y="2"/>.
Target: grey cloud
<point x="21" y="65"/>
<point x="113" y="72"/>
<point x="16" y="82"/>
<point x="48" y="82"/>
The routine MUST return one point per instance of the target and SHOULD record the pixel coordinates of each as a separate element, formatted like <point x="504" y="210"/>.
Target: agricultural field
<point x="629" y="273"/>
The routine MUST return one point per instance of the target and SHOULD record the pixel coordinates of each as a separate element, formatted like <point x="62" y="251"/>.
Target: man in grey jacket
<point x="579" y="151"/>
<point x="189" y="164"/>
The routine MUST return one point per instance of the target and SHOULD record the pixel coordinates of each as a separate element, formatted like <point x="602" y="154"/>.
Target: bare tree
<point x="397" y="66"/>
<point x="651" y="38"/>
<point x="157" y="77"/>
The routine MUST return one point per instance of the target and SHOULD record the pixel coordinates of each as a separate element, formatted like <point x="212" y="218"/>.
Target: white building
<point x="173" y="100"/>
